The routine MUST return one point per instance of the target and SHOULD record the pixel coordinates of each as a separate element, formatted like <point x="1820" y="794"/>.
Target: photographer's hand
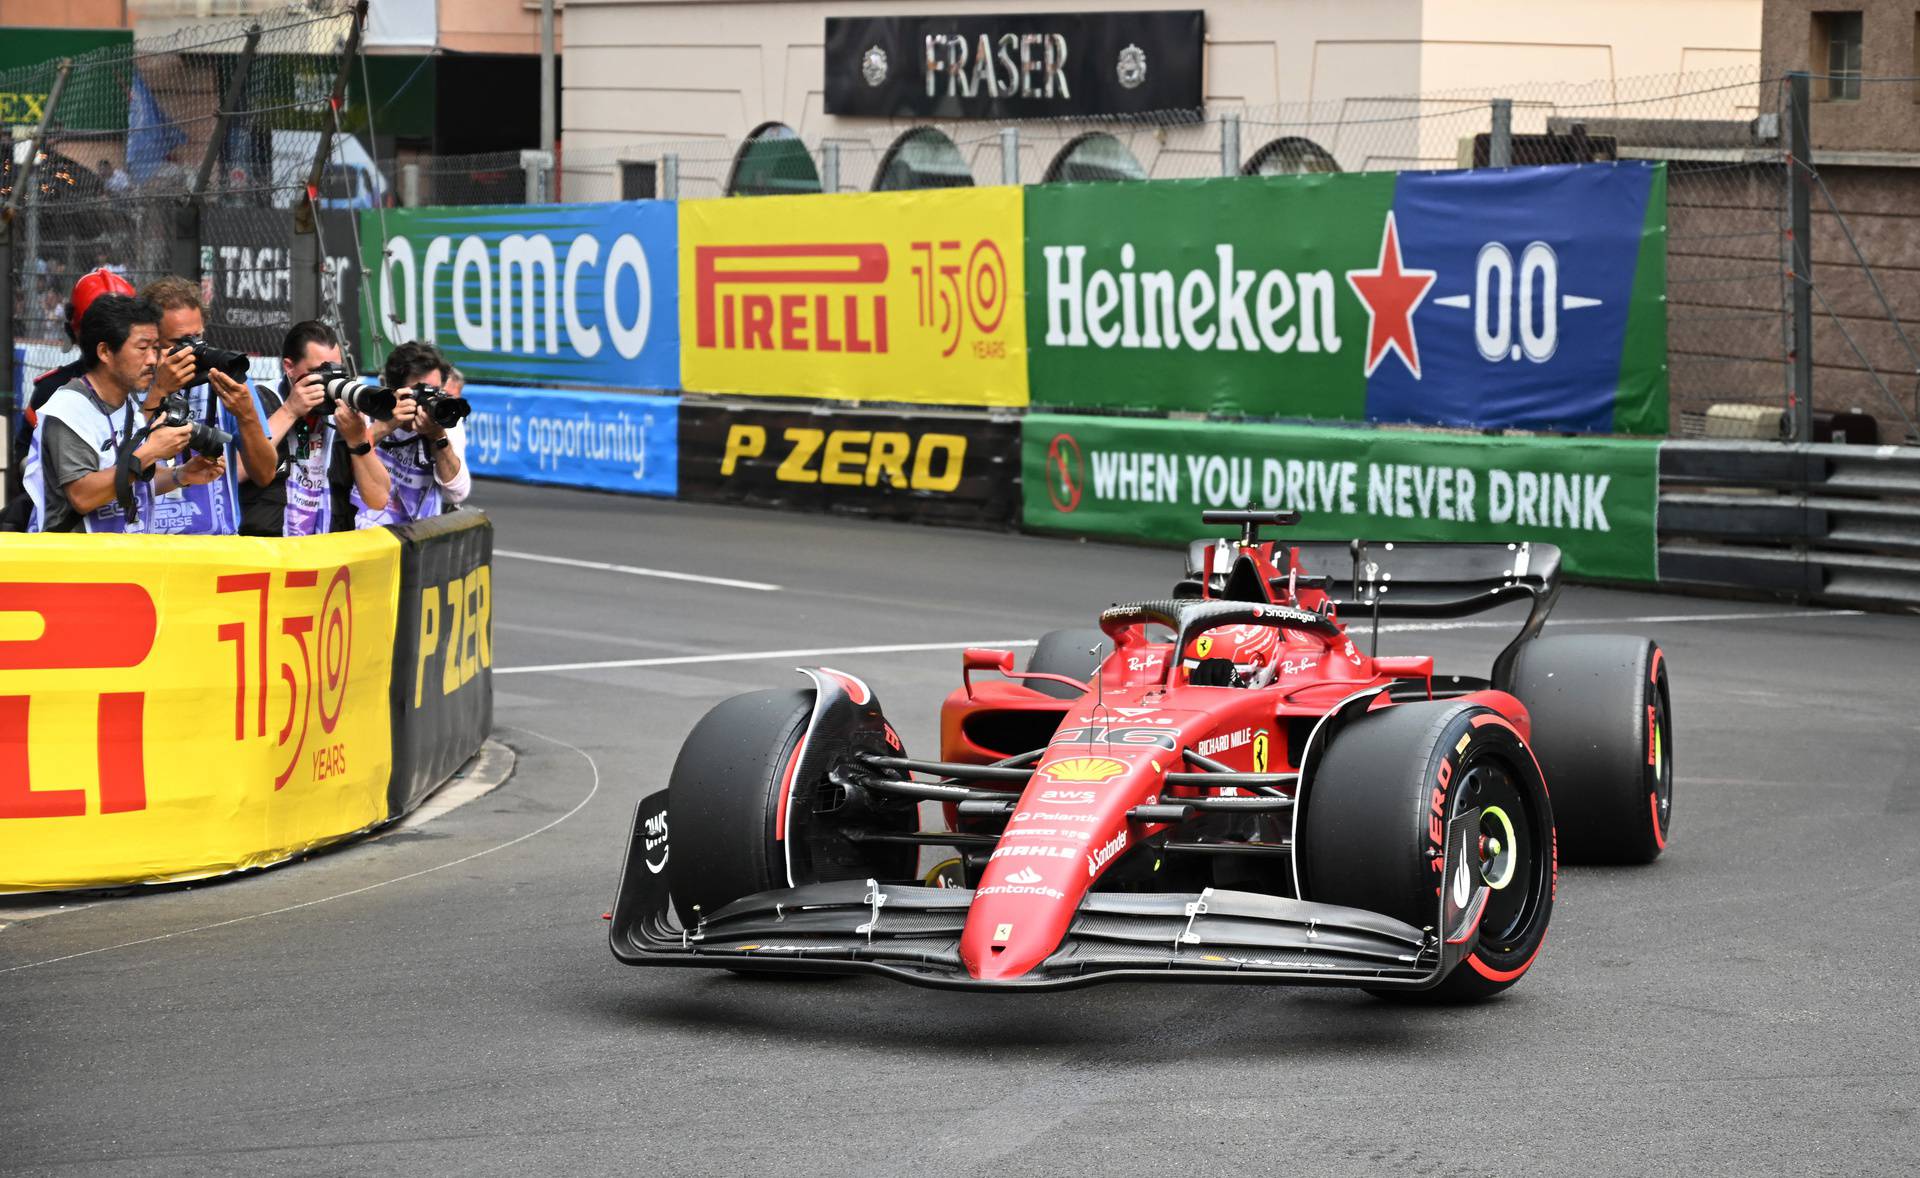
<point x="306" y="396"/>
<point x="200" y="469"/>
<point x="351" y="425"/>
<point x="258" y="462"/>
<point x="174" y="370"/>
<point x="163" y="443"/>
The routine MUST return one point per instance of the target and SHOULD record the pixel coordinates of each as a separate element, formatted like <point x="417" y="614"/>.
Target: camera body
<point x="208" y="441"/>
<point x="337" y="385"/>
<point x="207" y="358"/>
<point x="443" y="407"/>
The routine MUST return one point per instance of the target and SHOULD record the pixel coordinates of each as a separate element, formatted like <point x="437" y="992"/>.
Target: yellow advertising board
<point x="897" y="296"/>
<point x="174" y="707"/>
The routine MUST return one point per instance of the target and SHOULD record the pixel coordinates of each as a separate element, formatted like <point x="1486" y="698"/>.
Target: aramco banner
<point x="907" y="297"/>
<point x="1517" y="297"/>
<point x="1145" y="479"/>
<point x="580" y="294"/>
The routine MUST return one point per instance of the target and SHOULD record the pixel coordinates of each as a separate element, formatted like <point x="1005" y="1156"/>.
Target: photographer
<point x="188" y="366"/>
<point x="321" y="453"/>
<point x="84" y="467"/>
<point x="422" y="446"/>
<point x="17" y="514"/>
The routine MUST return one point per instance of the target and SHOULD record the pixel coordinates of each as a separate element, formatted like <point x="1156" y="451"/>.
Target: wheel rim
<point x="1512" y="854"/>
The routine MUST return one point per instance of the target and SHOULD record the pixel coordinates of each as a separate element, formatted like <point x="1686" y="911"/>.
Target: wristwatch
<point x="441" y="443"/>
<point x="362" y="448"/>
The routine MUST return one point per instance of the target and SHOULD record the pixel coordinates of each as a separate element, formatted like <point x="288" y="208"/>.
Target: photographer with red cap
<point x="88" y="288"/>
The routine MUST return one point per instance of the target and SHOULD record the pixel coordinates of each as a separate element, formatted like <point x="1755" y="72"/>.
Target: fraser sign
<point x="581" y="294"/>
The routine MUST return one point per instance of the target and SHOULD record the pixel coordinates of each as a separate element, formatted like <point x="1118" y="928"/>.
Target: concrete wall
<point x="1885" y="118"/>
<point x="495" y="26"/>
<point x="64" y="14"/>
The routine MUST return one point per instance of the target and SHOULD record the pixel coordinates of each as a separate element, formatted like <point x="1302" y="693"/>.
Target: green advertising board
<point x="1145" y="479"/>
<point x="1516" y="298"/>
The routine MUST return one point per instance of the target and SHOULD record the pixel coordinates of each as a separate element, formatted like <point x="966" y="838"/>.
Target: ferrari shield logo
<point x="1260" y="741"/>
<point x="1203" y="646"/>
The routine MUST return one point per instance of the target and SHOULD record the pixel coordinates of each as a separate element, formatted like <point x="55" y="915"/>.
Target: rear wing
<point x="1411" y="579"/>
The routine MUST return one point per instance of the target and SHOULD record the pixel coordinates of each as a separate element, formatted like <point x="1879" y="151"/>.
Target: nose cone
<point x="1022" y="908"/>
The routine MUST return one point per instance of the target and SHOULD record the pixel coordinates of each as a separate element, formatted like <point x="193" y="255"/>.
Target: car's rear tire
<point x="1603" y="731"/>
<point x="725" y="797"/>
<point x="1065" y="652"/>
<point x="1366" y="840"/>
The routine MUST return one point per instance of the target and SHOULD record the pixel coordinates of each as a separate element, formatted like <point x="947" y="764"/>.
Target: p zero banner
<point x="176" y="707"/>
<point x="578" y="294"/>
<point x="935" y="468"/>
<point x="1520" y="297"/>
<point x="1134" y="478"/>
<point x="442" y="695"/>
<point x="1015" y="66"/>
<point x="910" y="297"/>
<point x="608" y="441"/>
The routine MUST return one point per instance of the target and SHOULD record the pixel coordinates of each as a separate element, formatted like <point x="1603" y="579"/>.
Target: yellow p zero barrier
<point x="173" y="707"/>
<point x="896" y="296"/>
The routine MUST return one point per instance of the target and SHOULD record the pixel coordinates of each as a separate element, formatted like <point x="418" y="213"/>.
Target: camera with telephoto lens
<point x="207" y="358"/>
<point x="364" y="397"/>
<point x="209" y="441"/>
<point x="443" y="407"/>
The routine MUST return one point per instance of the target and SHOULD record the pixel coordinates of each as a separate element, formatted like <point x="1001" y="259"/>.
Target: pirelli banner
<point x="179" y="707"/>
<point x="913" y="297"/>
<point x="933" y="468"/>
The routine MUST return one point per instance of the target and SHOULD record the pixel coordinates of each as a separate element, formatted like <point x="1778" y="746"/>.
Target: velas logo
<point x="1066" y="473"/>
<point x="745" y="297"/>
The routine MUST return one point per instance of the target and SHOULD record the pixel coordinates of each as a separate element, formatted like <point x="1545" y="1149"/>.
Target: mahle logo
<point x="1221" y="309"/>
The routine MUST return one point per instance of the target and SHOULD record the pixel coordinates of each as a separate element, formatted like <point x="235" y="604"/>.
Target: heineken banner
<point x="580" y="294"/>
<point x="1518" y="297"/>
<point x="1142" y="479"/>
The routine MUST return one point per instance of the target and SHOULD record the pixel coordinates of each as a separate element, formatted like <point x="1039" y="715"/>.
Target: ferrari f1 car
<point x="1218" y="786"/>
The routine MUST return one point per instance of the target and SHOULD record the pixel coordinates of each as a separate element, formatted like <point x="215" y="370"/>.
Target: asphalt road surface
<point x="443" y="1000"/>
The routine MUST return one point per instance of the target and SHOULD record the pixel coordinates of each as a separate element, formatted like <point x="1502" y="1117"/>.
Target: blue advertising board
<point x="606" y="441"/>
<point x="570" y="294"/>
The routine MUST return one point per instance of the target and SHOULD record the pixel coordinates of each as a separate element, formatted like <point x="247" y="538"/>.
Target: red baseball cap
<point x="90" y="287"/>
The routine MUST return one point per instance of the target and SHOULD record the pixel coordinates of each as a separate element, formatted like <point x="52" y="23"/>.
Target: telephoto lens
<point x="361" y="396"/>
<point x="207" y="358"/>
<point x="444" y="408"/>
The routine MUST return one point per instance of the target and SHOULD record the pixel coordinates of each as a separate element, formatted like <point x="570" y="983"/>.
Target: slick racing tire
<point x="1603" y="731"/>
<point x="1064" y="652"/>
<point x="1365" y="838"/>
<point x="725" y="795"/>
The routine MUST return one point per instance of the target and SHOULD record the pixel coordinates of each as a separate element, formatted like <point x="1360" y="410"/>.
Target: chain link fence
<point x="137" y="132"/>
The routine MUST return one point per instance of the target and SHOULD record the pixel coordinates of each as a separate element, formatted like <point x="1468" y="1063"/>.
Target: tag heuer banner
<point x="579" y="294"/>
<point x="1014" y="66"/>
<point x="1142" y="479"/>
<point x="898" y="296"/>
<point x="1523" y="297"/>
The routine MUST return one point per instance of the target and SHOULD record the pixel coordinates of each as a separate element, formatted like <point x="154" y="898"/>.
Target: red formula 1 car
<point x="1219" y="786"/>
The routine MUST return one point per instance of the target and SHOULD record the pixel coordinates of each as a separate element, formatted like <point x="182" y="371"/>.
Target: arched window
<point x="1291" y="156"/>
<point x="922" y="158"/>
<point x="1093" y="156"/>
<point x="772" y="162"/>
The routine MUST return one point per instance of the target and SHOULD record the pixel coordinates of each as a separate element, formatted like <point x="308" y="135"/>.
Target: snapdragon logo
<point x="561" y="298"/>
<point x="1226" y="309"/>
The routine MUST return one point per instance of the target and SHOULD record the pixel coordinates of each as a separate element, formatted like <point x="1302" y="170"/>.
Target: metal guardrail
<point x="1820" y="522"/>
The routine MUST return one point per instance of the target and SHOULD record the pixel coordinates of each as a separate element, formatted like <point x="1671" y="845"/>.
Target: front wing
<point x="912" y="933"/>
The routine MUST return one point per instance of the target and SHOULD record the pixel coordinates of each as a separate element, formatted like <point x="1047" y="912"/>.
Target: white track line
<point x="636" y="571"/>
<point x="756" y="655"/>
<point x="1357" y="628"/>
<point x="578" y="806"/>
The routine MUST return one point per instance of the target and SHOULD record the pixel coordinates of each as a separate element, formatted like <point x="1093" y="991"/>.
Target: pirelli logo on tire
<point x="952" y="468"/>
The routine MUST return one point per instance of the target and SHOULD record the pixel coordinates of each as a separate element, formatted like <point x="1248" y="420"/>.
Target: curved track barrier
<point x="173" y="708"/>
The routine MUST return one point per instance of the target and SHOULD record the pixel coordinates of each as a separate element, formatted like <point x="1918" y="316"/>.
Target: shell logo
<point x="1085" y="769"/>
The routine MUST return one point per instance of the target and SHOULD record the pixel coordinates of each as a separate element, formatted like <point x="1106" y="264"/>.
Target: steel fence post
<point x="1230" y="143"/>
<point x="670" y="175"/>
<point x="410" y="185"/>
<point x="9" y="262"/>
<point x="829" y="167"/>
<point x="1500" y="141"/>
<point x="535" y="167"/>
<point x="1009" y="155"/>
<point x="1799" y="239"/>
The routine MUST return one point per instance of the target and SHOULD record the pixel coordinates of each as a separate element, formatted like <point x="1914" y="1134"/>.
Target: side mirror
<point x="980" y="658"/>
